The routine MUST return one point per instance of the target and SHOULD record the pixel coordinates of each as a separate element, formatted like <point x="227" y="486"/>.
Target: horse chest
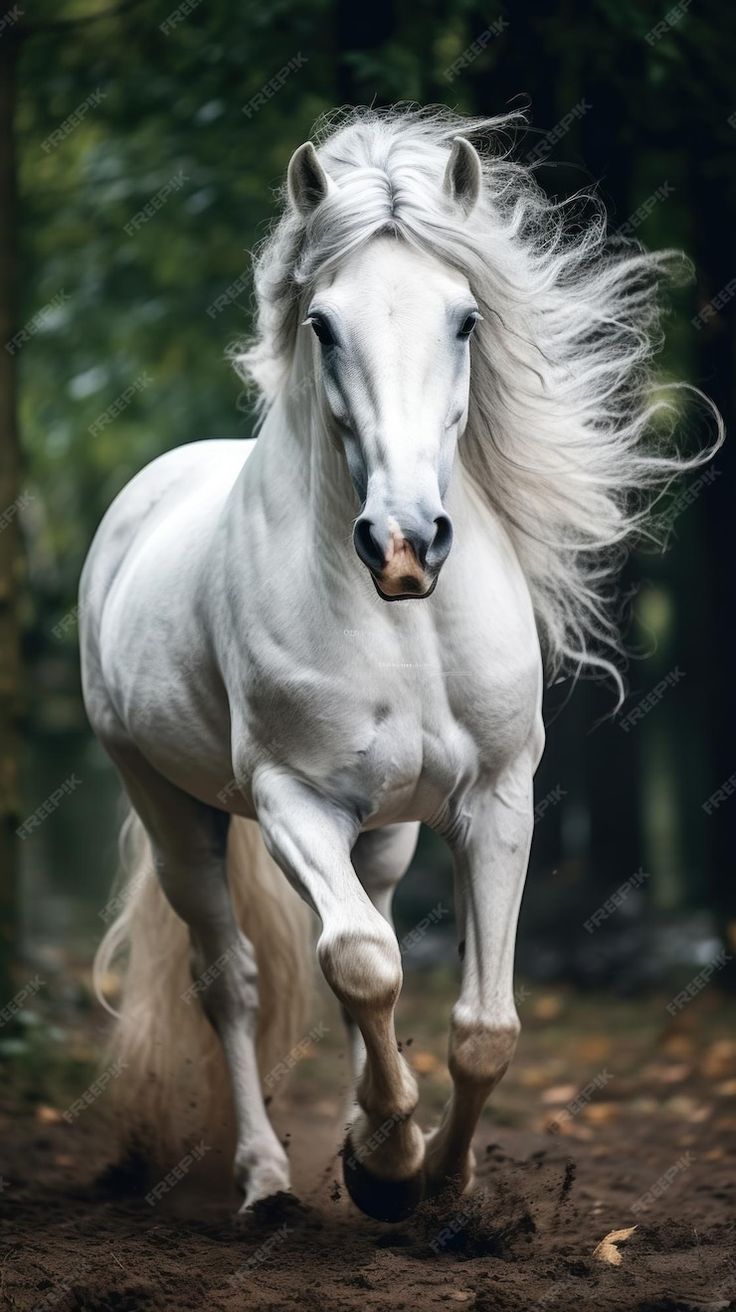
<point x="392" y="728"/>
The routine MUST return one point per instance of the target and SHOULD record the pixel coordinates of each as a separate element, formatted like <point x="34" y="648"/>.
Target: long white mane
<point x="569" y="437"/>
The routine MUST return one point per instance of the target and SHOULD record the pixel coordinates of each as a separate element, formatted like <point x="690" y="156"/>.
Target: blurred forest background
<point x="115" y="332"/>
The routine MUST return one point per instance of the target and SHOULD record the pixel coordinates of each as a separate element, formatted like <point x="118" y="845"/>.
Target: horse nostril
<point x="366" y="545"/>
<point x="441" y="542"/>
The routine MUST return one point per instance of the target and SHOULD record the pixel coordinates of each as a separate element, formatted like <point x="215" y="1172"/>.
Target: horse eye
<point x="321" y="330"/>
<point x="468" y="324"/>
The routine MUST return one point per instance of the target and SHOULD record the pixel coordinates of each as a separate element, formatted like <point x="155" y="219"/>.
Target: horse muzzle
<point x="404" y="559"/>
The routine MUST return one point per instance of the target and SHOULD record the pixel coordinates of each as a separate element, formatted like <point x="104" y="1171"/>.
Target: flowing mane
<point x="569" y="438"/>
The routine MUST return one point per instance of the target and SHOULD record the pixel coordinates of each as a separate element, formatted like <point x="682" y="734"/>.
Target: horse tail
<point x="168" y="1082"/>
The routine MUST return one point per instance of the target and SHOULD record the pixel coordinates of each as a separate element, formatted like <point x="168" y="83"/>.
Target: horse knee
<point x="481" y="1047"/>
<point x="362" y="966"/>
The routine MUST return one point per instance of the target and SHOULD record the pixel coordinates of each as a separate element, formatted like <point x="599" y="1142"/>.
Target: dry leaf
<point x="606" y="1250"/>
<point x="48" y="1115"/>
<point x="601" y="1113"/>
<point x="593" y="1048"/>
<point x="672" y="1074"/>
<point x="547" y="1007"/>
<point x="424" y="1062"/>
<point x="537" y="1076"/>
<point x="560" y="1093"/>
<point x="678" y="1045"/>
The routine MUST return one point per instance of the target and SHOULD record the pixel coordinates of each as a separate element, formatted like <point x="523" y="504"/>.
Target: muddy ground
<point x="614" y="1115"/>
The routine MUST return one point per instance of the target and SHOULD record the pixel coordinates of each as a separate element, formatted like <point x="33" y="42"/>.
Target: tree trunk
<point x="10" y="641"/>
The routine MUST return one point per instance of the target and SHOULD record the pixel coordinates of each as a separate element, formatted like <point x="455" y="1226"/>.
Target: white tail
<point x="173" y="1084"/>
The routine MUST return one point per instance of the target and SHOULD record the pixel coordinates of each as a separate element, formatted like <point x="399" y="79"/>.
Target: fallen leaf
<point x="536" y="1077"/>
<point x="606" y="1250"/>
<point x="672" y="1074"/>
<point x="424" y="1062"/>
<point x="560" y="1093"/>
<point x="48" y="1115"/>
<point x="601" y="1113"/>
<point x="547" y="1007"/>
<point x="688" y="1108"/>
<point x="678" y="1045"/>
<point x="594" y="1047"/>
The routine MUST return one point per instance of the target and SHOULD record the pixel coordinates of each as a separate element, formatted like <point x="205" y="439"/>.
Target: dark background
<point x="640" y="101"/>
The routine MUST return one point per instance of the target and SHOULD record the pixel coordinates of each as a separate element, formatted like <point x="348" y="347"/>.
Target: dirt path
<point x="652" y="1145"/>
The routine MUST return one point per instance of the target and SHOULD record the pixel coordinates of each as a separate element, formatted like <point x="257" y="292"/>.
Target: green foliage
<point x="206" y="111"/>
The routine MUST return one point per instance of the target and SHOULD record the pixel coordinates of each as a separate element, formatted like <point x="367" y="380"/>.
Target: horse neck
<point x="303" y="474"/>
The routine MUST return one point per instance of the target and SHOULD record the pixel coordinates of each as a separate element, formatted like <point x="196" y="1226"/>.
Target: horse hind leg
<point x="189" y="843"/>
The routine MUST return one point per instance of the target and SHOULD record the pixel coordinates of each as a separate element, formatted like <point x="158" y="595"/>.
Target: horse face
<point x="392" y="329"/>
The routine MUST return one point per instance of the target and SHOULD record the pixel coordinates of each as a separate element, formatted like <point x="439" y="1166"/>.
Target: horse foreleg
<point x="311" y="839"/>
<point x="491" y="859"/>
<point x="380" y="858"/>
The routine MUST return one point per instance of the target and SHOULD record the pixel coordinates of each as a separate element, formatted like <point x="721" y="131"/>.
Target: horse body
<point x="396" y="711"/>
<point x="241" y="660"/>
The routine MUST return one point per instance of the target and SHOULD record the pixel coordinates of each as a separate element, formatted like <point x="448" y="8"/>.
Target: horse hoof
<point x="378" y="1196"/>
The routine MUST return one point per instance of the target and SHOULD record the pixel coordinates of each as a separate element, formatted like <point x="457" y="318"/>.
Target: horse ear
<point x="306" y="181"/>
<point x="463" y="175"/>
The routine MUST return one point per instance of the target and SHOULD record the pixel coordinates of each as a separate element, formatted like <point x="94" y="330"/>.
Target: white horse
<point x="334" y="631"/>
